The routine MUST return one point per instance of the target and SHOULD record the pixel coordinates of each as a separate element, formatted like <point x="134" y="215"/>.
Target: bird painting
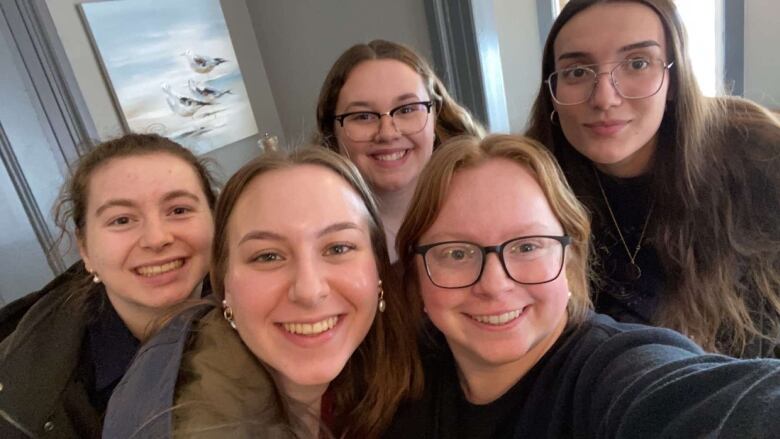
<point x="182" y="105"/>
<point x="202" y="63"/>
<point x="203" y="91"/>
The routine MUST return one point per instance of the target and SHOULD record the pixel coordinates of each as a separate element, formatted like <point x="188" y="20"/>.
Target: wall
<point x="95" y="91"/>
<point x="762" y="58"/>
<point x="301" y="39"/>
<point x="517" y="25"/>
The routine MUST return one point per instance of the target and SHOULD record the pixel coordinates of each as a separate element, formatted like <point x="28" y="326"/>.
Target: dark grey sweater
<point x="605" y="380"/>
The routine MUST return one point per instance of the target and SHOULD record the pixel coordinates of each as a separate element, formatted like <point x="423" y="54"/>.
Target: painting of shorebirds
<point x="172" y="69"/>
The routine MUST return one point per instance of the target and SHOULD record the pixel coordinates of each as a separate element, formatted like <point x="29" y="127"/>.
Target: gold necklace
<point x="633" y="272"/>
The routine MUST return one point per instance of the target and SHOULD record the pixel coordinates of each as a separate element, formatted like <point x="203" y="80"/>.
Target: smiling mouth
<point x="397" y="155"/>
<point x="156" y="270"/>
<point x="497" y="319"/>
<point x="311" y="329"/>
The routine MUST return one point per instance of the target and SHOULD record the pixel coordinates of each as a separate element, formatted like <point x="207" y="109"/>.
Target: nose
<point x="605" y="94"/>
<point x="156" y="235"/>
<point x="494" y="280"/>
<point x="310" y="286"/>
<point x="387" y="130"/>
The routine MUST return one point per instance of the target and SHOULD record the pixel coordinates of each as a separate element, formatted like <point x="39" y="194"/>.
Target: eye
<point x="411" y="108"/>
<point x="180" y="210"/>
<point x="338" y="249"/>
<point x="120" y="221"/>
<point x="454" y="252"/>
<point x="267" y="257"/>
<point x="637" y="64"/>
<point x="362" y="117"/>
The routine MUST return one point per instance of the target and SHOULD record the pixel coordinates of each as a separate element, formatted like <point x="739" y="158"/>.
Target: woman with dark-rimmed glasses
<point x="495" y="252"/>
<point x="683" y="189"/>
<point x="382" y="106"/>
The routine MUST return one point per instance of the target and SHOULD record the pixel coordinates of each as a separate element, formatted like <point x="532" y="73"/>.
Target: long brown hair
<point x="385" y="368"/>
<point x="451" y="118"/>
<point x="70" y="209"/>
<point x="716" y="192"/>
<point x="467" y="152"/>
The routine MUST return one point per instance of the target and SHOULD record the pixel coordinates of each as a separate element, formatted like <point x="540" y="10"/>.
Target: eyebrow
<point x="125" y="202"/>
<point x="626" y="48"/>
<point x="272" y="236"/>
<point x="398" y="100"/>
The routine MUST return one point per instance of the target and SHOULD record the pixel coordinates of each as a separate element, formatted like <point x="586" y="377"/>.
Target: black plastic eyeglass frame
<point x="340" y="117"/>
<point x="549" y="81"/>
<point x="565" y="240"/>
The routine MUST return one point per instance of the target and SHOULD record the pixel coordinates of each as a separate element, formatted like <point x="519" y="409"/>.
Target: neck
<point x="484" y="383"/>
<point x="392" y="209"/>
<point x="306" y="403"/>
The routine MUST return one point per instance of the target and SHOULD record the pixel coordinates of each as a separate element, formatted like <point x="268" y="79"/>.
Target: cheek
<point x="244" y="295"/>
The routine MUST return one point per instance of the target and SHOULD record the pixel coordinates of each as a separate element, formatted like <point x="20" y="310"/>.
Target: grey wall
<point x="762" y="57"/>
<point x="301" y="39"/>
<point x="95" y="91"/>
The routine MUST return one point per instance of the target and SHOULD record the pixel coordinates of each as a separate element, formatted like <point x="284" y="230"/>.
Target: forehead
<point x="142" y="177"/>
<point x="601" y="30"/>
<point x="496" y="200"/>
<point x="379" y="81"/>
<point x="301" y="199"/>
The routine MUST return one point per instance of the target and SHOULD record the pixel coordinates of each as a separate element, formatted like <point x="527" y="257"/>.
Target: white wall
<point x="762" y="56"/>
<point x="300" y="40"/>
<point x="517" y="25"/>
<point x="94" y="87"/>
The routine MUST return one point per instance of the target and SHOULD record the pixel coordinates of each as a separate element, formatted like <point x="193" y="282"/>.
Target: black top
<point x="605" y="379"/>
<point x="107" y="351"/>
<point x="620" y="296"/>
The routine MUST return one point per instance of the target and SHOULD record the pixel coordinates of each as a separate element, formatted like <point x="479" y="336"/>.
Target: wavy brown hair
<point x="466" y="152"/>
<point x="716" y="186"/>
<point x="384" y="369"/>
<point x="451" y="118"/>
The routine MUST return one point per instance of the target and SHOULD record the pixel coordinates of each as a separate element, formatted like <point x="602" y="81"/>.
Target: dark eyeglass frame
<point x="667" y="66"/>
<point x="428" y="104"/>
<point x="565" y="240"/>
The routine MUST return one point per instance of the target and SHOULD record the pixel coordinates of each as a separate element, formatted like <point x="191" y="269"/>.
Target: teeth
<point x="154" y="270"/>
<point x="498" y="319"/>
<point x="311" y="328"/>
<point x="391" y="156"/>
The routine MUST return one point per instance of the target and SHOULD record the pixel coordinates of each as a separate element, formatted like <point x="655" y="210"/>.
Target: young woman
<point x="141" y="208"/>
<point x="378" y="79"/>
<point x="515" y="351"/>
<point x="683" y="189"/>
<point x="318" y="341"/>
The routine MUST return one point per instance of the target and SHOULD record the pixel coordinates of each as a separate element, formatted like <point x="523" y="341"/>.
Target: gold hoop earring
<point x="227" y="313"/>
<point x="382" y="305"/>
<point x="552" y="118"/>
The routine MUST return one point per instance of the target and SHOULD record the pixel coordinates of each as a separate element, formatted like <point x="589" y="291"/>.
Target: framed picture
<point x="172" y="69"/>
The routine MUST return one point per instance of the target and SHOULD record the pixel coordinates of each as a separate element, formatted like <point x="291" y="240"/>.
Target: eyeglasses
<point x="527" y="260"/>
<point x="362" y="126"/>
<point x="634" y="78"/>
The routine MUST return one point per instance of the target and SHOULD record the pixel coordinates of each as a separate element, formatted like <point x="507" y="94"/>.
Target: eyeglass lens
<point x="407" y="119"/>
<point x="633" y="79"/>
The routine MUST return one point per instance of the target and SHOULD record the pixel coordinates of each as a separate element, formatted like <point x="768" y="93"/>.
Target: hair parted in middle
<point x="385" y="368"/>
<point x="467" y="152"/>
<point x="451" y="118"/>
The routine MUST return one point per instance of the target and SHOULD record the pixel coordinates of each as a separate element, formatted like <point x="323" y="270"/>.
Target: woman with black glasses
<point x="683" y="189"/>
<point x="382" y="106"/>
<point x="495" y="250"/>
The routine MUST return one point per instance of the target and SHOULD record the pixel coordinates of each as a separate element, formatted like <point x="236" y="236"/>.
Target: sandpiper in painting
<point x="172" y="69"/>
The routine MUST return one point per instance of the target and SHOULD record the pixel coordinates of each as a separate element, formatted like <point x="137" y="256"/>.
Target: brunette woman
<point x="683" y="189"/>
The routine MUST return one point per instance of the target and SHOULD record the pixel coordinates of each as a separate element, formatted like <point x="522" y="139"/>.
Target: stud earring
<point x="382" y="304"/>
<point x="569" y="295"/>
<point x="95" y="277"/>
<point x="227" y="313"/>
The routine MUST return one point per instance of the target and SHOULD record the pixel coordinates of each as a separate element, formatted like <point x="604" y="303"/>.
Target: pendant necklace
<point x="632" y="270"/>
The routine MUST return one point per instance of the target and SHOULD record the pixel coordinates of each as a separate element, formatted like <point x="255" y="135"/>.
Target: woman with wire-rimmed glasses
<point x="494" y="250"/>
<point x="684" y="189"/>
<point x="382" y="106"/>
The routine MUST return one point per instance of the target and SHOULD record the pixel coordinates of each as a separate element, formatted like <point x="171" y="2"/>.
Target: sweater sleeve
<point x="654" y="383"/>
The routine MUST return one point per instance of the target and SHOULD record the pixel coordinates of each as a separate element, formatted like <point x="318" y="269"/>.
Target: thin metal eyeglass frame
<point x="548" y="81"/>
<point x="421" y="250"/>
<point x="428" y="104"/>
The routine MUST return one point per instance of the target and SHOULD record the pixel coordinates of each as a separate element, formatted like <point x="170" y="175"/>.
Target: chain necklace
<point x="633" y="272"/>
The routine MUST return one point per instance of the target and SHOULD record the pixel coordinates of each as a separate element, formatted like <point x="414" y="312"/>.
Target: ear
<point x="80" y="241"/>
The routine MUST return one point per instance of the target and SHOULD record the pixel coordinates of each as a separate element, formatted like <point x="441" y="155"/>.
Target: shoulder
<point x="145" y="394"/>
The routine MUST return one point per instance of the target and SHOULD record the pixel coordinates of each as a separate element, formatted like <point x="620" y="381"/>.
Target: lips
<point x="499" y="318"/>
<point x="607" y="127"/>
<point x="311" y="328"/>
<point x="390" y="156"/>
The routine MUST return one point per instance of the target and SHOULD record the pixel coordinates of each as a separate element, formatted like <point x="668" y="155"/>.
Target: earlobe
<point x="83" y="253"/>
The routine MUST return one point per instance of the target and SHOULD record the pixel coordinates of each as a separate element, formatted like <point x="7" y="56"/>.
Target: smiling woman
<point x="141" y="207"/>
<point x="305" y="283"/>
